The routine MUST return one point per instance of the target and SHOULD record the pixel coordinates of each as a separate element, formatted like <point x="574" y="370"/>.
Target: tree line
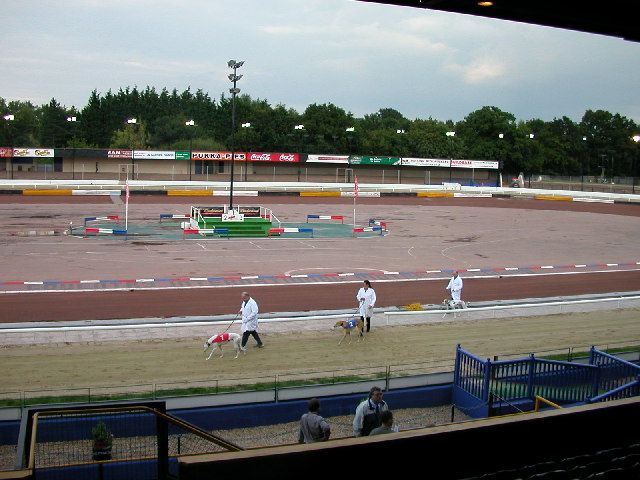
<point x="600" y="142"/>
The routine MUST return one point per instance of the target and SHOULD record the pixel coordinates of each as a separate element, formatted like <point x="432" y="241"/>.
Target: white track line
<point x="246" y="285"/>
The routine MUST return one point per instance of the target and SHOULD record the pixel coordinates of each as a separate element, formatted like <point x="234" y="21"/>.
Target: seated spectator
<point x="313" y="428"/>
<point x="386" y="418"/>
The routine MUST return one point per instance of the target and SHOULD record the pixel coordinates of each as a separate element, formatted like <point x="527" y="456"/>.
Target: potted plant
<point x="102" y="442"/>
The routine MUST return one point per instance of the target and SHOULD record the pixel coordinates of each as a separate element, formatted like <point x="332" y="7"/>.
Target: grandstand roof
<point x="617" y="18"/>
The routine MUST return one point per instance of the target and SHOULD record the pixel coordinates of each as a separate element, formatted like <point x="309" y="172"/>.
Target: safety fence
<point x="478" y="383"/>
<point x="128" y="441"/>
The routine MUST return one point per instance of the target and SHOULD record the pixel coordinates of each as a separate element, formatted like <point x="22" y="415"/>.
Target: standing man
<point x="313" y="428"/>
<point x="367" y="300"/>
<point x="455" y="286"/>
<point x="369" y="412"/>
<point x="249" y="311"/>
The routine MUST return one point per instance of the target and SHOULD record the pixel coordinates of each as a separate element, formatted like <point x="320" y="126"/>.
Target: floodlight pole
<point x="234" y="91"/>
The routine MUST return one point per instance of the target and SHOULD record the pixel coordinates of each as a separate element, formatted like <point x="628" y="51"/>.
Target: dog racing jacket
<point x="223" y="337"/>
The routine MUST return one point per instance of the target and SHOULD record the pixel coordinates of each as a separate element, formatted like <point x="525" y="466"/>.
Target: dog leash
<point x="232" y="321"/>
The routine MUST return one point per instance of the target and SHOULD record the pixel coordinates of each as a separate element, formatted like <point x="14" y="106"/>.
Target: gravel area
<point x="286" y="433"/>
<point x="341" y="427"/>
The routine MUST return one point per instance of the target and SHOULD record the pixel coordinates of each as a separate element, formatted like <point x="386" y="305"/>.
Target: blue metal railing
<point x="477" y="381"/>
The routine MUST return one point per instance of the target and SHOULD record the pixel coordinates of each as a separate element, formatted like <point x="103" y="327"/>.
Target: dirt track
<point x="38" y="367"/>
<point x="451" y="233"/>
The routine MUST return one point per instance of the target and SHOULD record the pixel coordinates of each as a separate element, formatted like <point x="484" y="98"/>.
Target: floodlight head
<point x="246" y="125"/>
<point x="239" y="64"/>
<point x="234" y="91"/>
<point x="132" y="120"/>
<point x="350" y="129"/>
<point x="190" y="123"/>
<point x="451" y="134"/>
<point x="9" y="117"/>
<point x="636" y="138"/>
<point x="400" y="131"/>
<point x="531" y="135"/>
<point x="72" y="119"/>
<point x="501" y="135"/>
<point x="231" y="63"/>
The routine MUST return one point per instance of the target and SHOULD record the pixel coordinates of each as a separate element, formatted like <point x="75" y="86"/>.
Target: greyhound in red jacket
<point x="216" y="341"/>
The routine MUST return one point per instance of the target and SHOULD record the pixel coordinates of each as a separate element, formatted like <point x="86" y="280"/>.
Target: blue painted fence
<point x="515" y="383"/>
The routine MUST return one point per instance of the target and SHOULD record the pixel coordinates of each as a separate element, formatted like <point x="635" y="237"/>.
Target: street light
<point x="499" y="179"/>
<point x="530" y="136"/>
<point x="400" y="150"/>
<point x="10" y="118"/>
<point x="301" y="129"/>
<point x="190" y="123"/>
<point x="246" y="158"/>
<point x="450" y="135"/>
<point x="130" y="121"/>
<point x="635" y="138"/>
<point x="234" y="77"/>
<point x="73" y="158"/>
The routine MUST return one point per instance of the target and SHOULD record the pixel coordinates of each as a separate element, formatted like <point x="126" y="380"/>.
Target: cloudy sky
<point x="358" y="56"/>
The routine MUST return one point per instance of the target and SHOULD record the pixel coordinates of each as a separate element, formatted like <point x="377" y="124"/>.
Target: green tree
<point x="131" y="136"/>
<point x="21" y="131"/>
<point x="54" y="130"/>
<point x="488" y="134"/>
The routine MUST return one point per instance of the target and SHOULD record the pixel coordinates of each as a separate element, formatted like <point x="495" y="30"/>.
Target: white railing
<point x="499" y="311"/>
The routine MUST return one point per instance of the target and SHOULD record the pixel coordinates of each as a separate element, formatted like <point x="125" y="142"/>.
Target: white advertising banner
<point x="153" y="155"/>
<point x="425" y="162"/>
<point x="33" y="152"/>
<point x="474" y="164"/>
<point x="360" y="194"/>
<point x="328" y="158"/>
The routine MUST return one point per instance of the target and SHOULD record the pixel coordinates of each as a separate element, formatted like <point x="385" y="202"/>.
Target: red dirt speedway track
<point x="505" y="248"/>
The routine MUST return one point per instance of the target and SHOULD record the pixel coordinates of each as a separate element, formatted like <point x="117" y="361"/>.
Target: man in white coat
<point x="455" y="286"/>
<point x="249" y="311"/>
<point x="367" y="300"/>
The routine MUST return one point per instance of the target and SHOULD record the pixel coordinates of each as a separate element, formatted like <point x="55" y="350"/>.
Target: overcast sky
<point x="358" y="56"/>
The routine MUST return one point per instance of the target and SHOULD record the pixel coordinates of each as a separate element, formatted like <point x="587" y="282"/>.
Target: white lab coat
<point x="249" y="311"/>
<point x="455" y="285"/>
<point x="367" y="300"/>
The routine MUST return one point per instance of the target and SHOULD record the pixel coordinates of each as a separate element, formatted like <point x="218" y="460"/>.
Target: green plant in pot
<point x="102" y="442"/>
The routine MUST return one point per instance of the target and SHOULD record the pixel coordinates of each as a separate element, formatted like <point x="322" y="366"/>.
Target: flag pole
<point x="356" y="189"/>
<point x="126" y="205"/>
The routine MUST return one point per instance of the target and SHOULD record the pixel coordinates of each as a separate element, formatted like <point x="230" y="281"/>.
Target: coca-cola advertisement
<point x="273" y="157"/>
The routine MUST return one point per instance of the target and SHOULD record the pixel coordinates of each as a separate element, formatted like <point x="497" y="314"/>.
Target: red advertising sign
<point x="6" y="152"/>
<point x="273" y="157"/>
<point x="218" y="156"/>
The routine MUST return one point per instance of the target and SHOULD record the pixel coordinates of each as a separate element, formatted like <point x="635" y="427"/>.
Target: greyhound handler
<point x="249" y="311"/>
<point x="367" y="298"/>
<point x="455" y="285"/>
<point x="368" y="413"/>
